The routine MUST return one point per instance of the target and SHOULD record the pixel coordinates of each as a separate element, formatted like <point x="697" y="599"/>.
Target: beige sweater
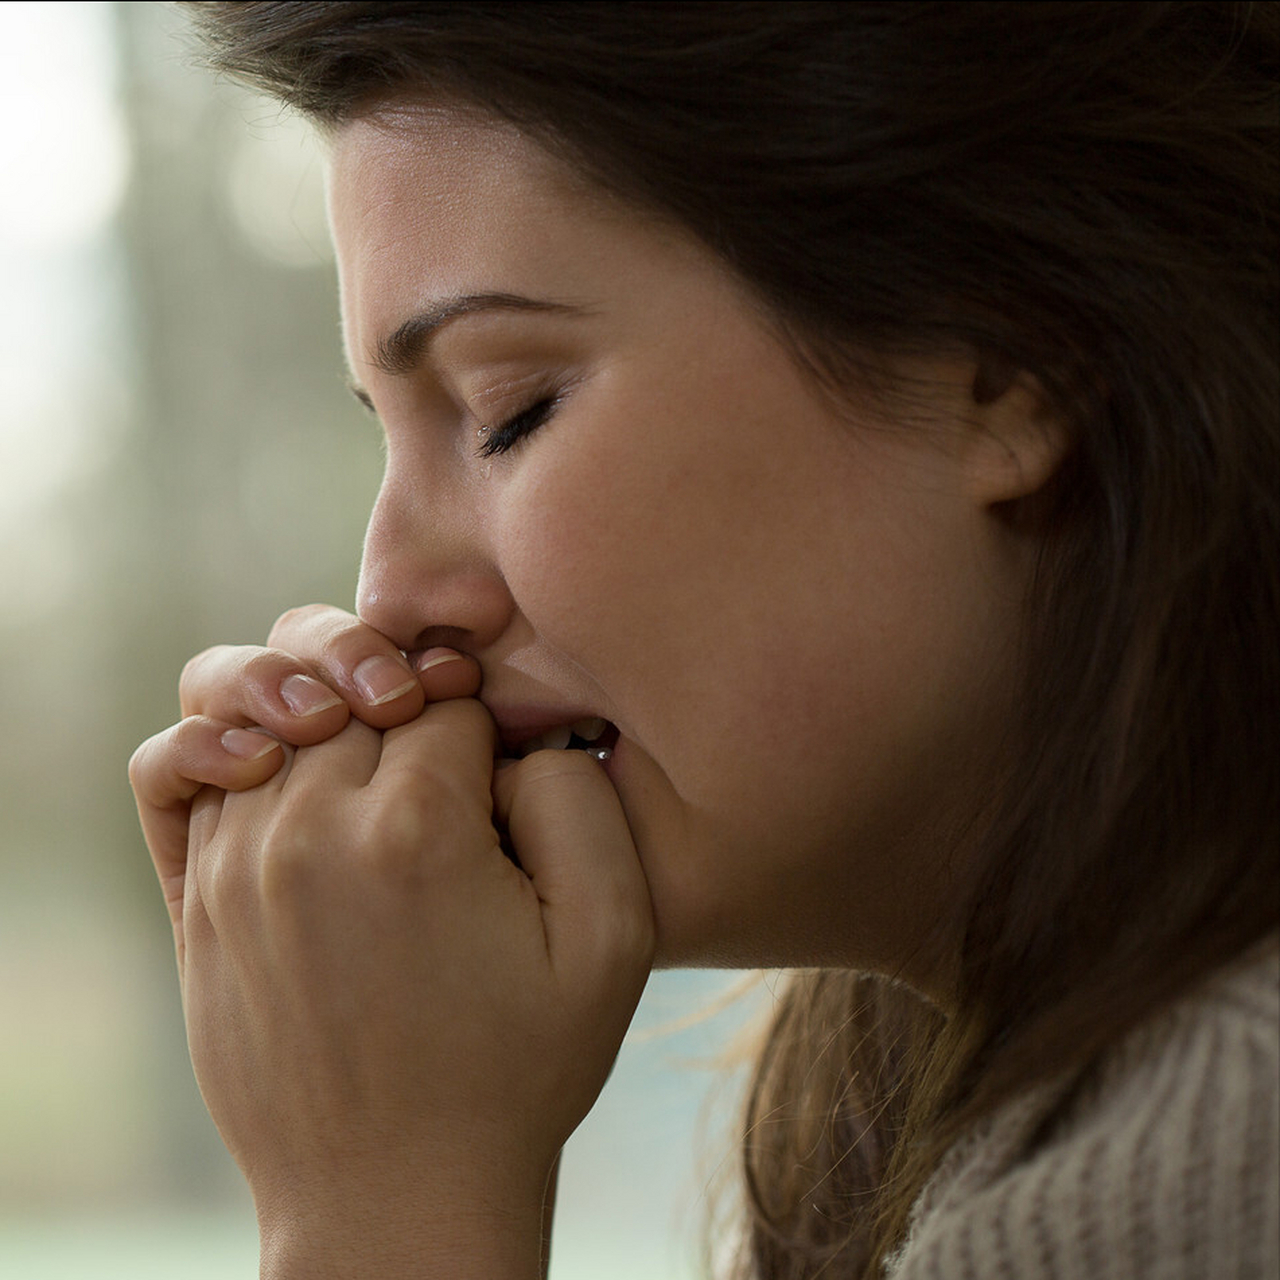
<point x="1168" y="1168"/>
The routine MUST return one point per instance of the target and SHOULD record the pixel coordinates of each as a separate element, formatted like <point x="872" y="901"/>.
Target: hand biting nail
<point x="436" y="657"/>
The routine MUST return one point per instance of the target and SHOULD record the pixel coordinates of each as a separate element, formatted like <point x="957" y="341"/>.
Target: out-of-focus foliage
<point x="185" y="463"/>
<point x="179" y="462"/>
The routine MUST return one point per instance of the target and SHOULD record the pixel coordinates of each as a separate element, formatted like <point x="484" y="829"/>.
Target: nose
<point x="427" y="576"/>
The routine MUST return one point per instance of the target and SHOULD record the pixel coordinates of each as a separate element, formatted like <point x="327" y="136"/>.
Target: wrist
<point x="407" y="1232"/>
<point x="434" y="1246"/>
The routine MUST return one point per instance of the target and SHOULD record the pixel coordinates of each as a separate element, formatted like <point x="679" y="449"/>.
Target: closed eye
<point x="501" y="438"/>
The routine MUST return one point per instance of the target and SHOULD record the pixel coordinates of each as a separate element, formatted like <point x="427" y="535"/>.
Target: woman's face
<point x="797" y="618"/>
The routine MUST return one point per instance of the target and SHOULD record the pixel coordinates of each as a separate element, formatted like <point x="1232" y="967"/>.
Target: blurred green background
<point x="179" y="462"/>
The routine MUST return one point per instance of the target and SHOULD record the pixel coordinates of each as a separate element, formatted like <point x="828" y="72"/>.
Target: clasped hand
<point x="394" y="1026"/>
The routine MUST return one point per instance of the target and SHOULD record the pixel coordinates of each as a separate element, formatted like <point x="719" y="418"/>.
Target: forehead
<point x="432" y="205"/>
<point x="427" y="202"/>
<point x="428" y="163"/>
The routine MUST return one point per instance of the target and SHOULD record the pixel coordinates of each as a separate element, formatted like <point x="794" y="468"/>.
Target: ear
<point x="1017" y="441"/>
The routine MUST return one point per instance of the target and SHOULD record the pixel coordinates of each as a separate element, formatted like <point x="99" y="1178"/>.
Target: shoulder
<point x="1165" y="1167"/>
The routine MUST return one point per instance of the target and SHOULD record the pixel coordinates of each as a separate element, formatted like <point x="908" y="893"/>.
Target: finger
<point x="370" y="672"/>
<point x="169" y="769"/>
<point x="368" y="667"/>
<point x="206" y="809"/>
<point x="442" y="765"/>
<point x="567" y="827"/>
<point x="446" y="673"/>
<point x="187" y="912"/>
<point x="347" y="760"/>
<point x="249" y="685"/>
<point x="458" y="735"/>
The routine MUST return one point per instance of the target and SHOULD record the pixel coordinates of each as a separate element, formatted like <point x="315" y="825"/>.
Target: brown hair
<point x="1085" y="191"/>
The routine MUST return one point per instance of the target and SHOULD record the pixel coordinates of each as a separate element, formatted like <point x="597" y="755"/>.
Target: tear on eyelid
<point x="498" y="409"/>
<point x="514" y="430"/>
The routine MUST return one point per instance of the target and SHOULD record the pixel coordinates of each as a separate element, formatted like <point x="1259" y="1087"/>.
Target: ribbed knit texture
<point x="1166" y="1167"/>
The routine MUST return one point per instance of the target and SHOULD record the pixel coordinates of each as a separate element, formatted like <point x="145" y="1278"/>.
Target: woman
<point x="856" y="423"/>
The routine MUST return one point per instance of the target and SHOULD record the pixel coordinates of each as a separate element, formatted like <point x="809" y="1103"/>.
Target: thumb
<point x="566" y="825"/>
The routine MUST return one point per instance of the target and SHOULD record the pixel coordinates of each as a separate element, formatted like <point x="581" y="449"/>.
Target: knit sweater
<point x="1167" y="1167"/>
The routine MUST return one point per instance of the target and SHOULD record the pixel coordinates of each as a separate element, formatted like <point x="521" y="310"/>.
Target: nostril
<point x="442" y="637"/>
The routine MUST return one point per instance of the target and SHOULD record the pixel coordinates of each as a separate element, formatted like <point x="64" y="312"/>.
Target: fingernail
<point x="247" y="744"/>
<point x="425" y="663"/>
<point x="381" y="679"/>
<point x="306" y="696"/>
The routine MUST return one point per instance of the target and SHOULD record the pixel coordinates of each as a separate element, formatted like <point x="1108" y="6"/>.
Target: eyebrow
<point x="400" y="352"/>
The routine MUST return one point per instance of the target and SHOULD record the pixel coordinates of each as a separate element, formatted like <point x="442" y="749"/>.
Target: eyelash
<point x="519" y="426"/>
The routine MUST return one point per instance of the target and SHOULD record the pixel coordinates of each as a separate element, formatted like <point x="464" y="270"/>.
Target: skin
<point x="801" y="618"/>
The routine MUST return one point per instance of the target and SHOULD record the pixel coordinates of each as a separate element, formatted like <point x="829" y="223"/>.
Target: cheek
<point x="662" y="567"/>
<point x="586" y="552"/>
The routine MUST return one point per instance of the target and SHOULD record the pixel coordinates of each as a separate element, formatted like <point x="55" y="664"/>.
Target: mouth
<point x="592" y="734"/>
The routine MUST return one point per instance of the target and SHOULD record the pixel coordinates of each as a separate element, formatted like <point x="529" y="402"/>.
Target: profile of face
<point x="611" y="482"/>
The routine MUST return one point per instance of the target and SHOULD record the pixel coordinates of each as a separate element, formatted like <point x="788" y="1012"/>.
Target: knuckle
<point x="225" y="891"/>
<point x="411" y="833"/>
<point x="222" y="884"/>
<point x="466" y="716"/>
<point x="345" y="633"/>
<point x="302" y="617"/>
<point x="234" y="680"/>
<point x="406" y="826"/>
<point x="266" y="667"/>
<point x="172" y="753"/>
<point x="289" y="857"/>
<point x="218" y="667"/>
<point x="195" y="666"/>
<point x="140" y="762"/>
<point x="184" y="744"/>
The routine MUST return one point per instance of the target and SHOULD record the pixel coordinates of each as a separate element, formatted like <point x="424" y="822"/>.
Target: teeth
<point x="586" y="730"/>
<point x="553" y="740"/>
<point x="589" y="729"/>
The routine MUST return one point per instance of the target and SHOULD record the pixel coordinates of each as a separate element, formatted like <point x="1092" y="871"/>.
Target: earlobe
<point x="1019" y="439"/>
